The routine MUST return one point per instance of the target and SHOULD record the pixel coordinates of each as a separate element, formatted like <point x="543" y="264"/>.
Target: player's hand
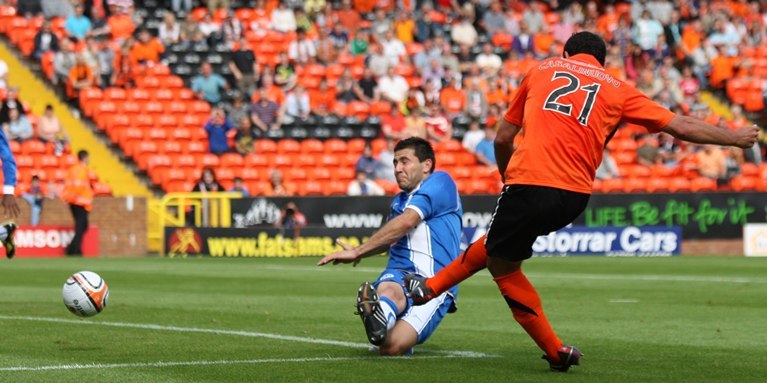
<point x="746" y="136"/>
<point x="10" y="207"/>
<point x="348" y="255"/>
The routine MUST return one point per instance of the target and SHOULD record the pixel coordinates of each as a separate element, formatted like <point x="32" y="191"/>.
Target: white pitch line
<point x="212" y="363"/>
<point x="624" y="301"/>
<point x="544" y="275"/>
<point x="465" y="354"/>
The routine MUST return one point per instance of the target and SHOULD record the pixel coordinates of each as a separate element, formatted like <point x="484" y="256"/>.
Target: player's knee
<point x="500" y="267"/>
<point x="394" y="348"/>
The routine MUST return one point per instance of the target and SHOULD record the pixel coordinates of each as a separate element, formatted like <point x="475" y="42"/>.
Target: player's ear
<point x="565" y="54"/>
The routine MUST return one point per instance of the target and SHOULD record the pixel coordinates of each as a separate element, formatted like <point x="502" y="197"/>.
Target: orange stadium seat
<point x="306" y="161"/>
<point x="679" y="184"/>
<point x="655" y="185"/>
<point x="612" y="185"/>
<point x="335" y="145"/>
<point x="265" y="146"/>
<point x="256" y="160"/>
<point x="288" y="146"/>
<point x="634" y="185"/>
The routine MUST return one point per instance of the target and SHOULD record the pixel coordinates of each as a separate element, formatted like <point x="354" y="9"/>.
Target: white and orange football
<point x="85" y="293"/>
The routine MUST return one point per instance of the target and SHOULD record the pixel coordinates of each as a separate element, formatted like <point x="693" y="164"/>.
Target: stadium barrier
<point x="182" y="209"/>
<point x="613" y="224"/>
<point x="117" y="228"/>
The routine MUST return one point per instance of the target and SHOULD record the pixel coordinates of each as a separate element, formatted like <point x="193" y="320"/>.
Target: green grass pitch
<point x="681" y="319"/>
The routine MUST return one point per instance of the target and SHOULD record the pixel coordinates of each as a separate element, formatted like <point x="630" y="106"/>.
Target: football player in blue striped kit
<point x="421" y="236"/>
<point x="8" y="204"/>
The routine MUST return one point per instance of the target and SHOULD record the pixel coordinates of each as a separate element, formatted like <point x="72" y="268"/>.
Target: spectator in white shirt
<point x="393" y="49"/>
<point x="170" y="31"/>
<point x="283" y="19"/>
<point x="297" y="103"/>
<point x="301" y="49"/>
<point x="472" y="137"/>
<point x="489" y="62"/>
<point x="362" y="185"/>
<point x="463" y="32"/>
<point x="393" y="87"/>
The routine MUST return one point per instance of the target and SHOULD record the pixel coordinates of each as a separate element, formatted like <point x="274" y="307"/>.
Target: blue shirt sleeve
<point x="437" y="195"/>
<point x="9" y="163"/>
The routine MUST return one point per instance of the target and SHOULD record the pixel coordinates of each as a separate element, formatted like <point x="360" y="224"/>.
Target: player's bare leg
<point x="469" y="263"/>
<point x="399" y="340"/>
<point x="525" y="305"/>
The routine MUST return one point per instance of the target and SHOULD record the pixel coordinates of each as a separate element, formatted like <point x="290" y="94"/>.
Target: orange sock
<point x="525" y="304"/>
<point x="473" y="259"/>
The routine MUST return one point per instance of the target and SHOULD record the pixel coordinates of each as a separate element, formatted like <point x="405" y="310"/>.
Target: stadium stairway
<point x="105" y="163"/>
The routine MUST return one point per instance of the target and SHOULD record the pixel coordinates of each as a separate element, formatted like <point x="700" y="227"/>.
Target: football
<point x="85" y="293"/>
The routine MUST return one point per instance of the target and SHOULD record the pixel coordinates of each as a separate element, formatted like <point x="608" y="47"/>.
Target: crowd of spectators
<point x="433" y="63"/>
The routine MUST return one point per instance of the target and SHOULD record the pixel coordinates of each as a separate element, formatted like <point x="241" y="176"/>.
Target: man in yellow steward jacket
<point x="79" y="194"/>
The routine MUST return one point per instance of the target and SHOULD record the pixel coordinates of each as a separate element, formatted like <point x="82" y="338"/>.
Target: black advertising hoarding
<point x="700" y="215"/>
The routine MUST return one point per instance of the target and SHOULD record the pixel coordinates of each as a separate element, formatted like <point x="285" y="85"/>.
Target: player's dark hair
<point x="81" y="155"/>
<point x="422" y="148"/>
<point x="587" y="43"/>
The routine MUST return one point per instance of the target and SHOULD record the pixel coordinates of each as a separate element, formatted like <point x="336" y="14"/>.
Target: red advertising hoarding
<point x="50" y="241"/>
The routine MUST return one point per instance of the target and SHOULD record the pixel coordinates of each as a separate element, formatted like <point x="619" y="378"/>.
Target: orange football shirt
<point x="568" y="109"/>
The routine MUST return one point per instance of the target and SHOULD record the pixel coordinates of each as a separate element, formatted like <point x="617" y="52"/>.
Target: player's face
<point x="408" y="170"/>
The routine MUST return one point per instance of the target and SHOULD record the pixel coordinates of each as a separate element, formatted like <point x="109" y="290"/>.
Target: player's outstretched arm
<point x="8" y="201"/>
<point x="383" y="238"/>
<point x="700" y="132"/>
<point x="504" y="144"/>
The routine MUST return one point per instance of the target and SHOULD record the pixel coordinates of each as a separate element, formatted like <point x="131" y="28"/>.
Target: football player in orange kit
<point x="566" y="110"/>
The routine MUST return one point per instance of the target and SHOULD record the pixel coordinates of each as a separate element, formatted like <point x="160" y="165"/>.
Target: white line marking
<point x="212" y="363"/>
<point x="466" y="354"/>
<point x="624" y="301"/>
<point x="595" y="277"/>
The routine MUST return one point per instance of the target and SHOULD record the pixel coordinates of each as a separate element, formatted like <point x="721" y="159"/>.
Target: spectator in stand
<point x="181" y="6"/>
<point x="190" y="30"/>
<point x="211" y="30"/>
<point x="285" y="73"/>
<point x="393" y="124"/>
<point x="302" y="20"/>
<point x="232" y="29"/>
<point x="49" y="130"/>
<point x="35" y="198"/>
<point x="323" y="98"/>
<point x="63" y="62"/>
<point x="393" y="49"/>
<point x="297" y="104"/>
<point x="415" y="100"/>
<point x="45" y="41"/>
<point x="326" y="49"/>
<point x="99" y="25"/>
<point x="123" y="74"/>
<point x="11" y="102"/>
<point x="494" y="21"/>
<point x="237" y="109"/>
<point x="283" y="18"/>
<point x="377" y="61"/>
<point x="18" y="127"/>
<point x="476" y="102"/>
<point x="121" y="26"/>
<point x="367" y="163"/>
<point x="452" y="98"/>
<point x="646" y="32"/>
<point x="423" y="60"/>
<point x="245" y="136"/>
<point x="360" y="43"/>
<point x="348" y="16"/>
<point x="340" y="37"/>
<point x="489" y="62"/>
<point x="77" y="25"/>
<point x="147" y="49"/>
<point x="363" y="186"/>
<point x="724" y="37"/>
<point x="214" y="5"/>
<point x="386" y="161"/>
<point x="534" y="19"/>
<point x="29" y="8"/>
<point x="208" y="182"/>
<point x="244" y="67"/>
<point x="485" y="151"/>
<point x="712" y="162"/>
<point x="105" y="59"/>
<point x="265" y="113"/>
<point x="647" y="152"/>
<point x="367" y="89"/>
<point x="81" y="77"/>
<point x="393" y="87"/>
<point x="3" y="74"/>
<point x="239" y="187"/>
<point x="277" y="187"/>
<point x="688" y="84"/>
<point x="301" y="50"/>
<point x="608" y="168"/>
<point x="415" y="125"/>
<point x="381" y="25"/>
<point x="217" y="128"/>
<point x="434" y="73"/>
<point x="404" y="27"/>
<point x="170" y="30"/>
<point x="670" y="150"/>
<point x="291" y="219"/>
<point x="427" y="23"/>
<point x="463" y="32"/>
<point x="55" y="8"/>
<point x="438" y="127"/>
<point x="208" y="85"/>
<point x="345" y="87"/>
<point x="524" y="43"/>
<point x="319" y="10"/>
<point x="473" y="136"/>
